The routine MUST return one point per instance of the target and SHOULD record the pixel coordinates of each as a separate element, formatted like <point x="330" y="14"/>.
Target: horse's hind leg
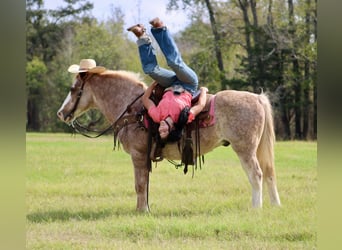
<point x="251" y="166"/>
<point x="267" y="165"/>
<point x="273" y="191"/>
<point x="270" y="179"/>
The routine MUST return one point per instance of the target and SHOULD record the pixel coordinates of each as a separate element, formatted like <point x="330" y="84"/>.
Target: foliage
<point x="253" y="45"/>
<point x="35" y="72"/>
<point x="268" y="45"/>
<point x="44" y="30"/>
<point x="200" y="54"/>
<point x="63" y="37"/>
<point x="80" y="195"/>
<point x="35" y="77"/>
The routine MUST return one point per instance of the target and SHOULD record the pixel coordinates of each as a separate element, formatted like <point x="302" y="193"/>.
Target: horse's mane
<point x="129" y="75"/>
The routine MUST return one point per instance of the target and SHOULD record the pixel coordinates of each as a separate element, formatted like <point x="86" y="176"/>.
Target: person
<point x="181" y="82"/>
<point x="168" y="110"/>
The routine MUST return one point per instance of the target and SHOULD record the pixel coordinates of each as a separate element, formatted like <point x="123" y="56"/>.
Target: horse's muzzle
<point x="63" y="117"/>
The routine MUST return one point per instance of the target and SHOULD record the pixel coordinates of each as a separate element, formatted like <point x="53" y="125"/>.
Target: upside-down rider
<point x="180" y="83"/>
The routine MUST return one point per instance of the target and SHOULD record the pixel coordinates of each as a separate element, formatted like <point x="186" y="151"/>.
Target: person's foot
<point x="156" y="23"/>
<point x="137" y="29"/>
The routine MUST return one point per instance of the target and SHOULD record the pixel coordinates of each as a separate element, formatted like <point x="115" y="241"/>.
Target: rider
<point x="180" y="83"/>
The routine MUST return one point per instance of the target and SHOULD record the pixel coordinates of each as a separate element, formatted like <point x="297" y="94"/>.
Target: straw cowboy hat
<point x="86" y="65"/>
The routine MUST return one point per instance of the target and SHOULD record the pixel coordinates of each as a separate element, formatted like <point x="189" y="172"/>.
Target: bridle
<point x="120" y="122"/>
<point x="79" y="94"/>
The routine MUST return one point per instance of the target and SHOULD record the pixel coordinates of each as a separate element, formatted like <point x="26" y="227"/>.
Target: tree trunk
<point x="269" y="14"/>
<point x="217" y="44"/>
<point x="284" y="113"/>
<point x="296" y="72"/>
<point x="298" y="98"/>
<point x="244" y="8"/>
<point x="32" y="116"/>
<point x="258" y="48"/>
<point x="283" y="98"/>
<point x="306" y="89"/>
<point x="314" y="80"/>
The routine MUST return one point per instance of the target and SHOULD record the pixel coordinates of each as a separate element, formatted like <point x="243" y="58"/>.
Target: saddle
<point x="185" y="143"/>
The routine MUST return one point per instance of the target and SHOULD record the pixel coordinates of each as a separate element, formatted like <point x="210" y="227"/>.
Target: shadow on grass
<point x="92" y="215"/>
<point x="69" y="214"/>
<point x="295" y="236"/>
<point x="66" y="215"/>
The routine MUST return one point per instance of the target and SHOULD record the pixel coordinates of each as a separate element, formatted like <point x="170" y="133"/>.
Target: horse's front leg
<point x="141" y="175"/>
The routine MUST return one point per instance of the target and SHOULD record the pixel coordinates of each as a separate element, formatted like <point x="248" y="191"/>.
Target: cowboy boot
<point x="138" y="30"/>
<point x="156" y="23"/>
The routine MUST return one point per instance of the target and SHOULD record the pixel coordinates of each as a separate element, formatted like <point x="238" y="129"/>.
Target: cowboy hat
<point x="86" y="65"/>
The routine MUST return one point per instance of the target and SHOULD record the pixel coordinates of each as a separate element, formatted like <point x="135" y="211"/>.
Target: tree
<point x="217" y="39"/>
<point x="59" y="38"/>
<point x="44" y="30"/>
<point x="240" y="44"/>
<point x="35" y="78"/>
<point x="278" y="53"/>
<point x="45" y="27"/>
<point x="217" y="43"/>
<point x="297" y="79"/>
<point x="314" y="67"/>
<point x="199" y="53"/>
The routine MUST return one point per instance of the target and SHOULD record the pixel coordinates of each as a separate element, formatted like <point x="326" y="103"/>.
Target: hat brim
<point x="76" y="69"/>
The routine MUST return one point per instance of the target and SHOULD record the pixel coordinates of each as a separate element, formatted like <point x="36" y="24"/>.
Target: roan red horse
<point x="242" y="119"/>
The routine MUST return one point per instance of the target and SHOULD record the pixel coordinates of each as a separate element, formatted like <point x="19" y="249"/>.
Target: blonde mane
<point x="134" y="77"/>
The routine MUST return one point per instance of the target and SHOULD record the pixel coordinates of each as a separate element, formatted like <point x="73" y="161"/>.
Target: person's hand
<point x="191" y="117"/>
<point x="153" y="85"/>
<point x="149" y="90"/>
<point x="204" y="89"/>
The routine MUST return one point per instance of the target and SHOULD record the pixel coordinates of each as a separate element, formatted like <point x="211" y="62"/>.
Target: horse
<point x="243" y="120"/>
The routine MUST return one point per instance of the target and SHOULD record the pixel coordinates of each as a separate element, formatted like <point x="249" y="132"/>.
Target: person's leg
<point x="150" y="66"/>
<point x="173" y="57"/>
<point x="148" y="58"/>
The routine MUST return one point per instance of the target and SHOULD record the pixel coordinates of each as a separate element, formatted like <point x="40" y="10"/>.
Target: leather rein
<point x="117" y="125"/>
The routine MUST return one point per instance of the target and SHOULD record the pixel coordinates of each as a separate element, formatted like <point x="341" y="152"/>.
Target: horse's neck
<point x="112" y="97"/>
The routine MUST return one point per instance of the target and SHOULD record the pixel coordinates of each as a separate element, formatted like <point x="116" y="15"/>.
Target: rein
<point x="116" y="125"/>
<point x="78" y="128"/>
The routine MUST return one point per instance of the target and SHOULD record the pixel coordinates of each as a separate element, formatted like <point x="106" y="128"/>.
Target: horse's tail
<point x="265" y="152"/>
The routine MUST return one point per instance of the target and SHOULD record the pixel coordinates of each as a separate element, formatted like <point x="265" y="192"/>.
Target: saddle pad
<point x="207" y="118"/>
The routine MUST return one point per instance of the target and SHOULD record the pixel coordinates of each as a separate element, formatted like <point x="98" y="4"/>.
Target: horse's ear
<point x="83" y="75"/>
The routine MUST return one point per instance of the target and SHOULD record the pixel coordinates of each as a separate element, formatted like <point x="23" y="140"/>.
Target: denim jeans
<point x="180" y="74"/>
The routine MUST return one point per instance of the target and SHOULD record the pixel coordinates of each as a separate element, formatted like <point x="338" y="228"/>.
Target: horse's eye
<point x="72" y="89"/>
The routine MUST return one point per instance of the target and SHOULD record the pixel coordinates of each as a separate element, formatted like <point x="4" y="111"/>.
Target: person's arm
<point x="198" y="107"/>
<point x="148" y="103"/>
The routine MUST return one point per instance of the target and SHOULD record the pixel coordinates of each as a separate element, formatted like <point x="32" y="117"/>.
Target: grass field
<point x="80" y="195"/>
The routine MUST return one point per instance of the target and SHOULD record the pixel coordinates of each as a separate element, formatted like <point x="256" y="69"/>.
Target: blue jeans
<point x="180" y="74"/>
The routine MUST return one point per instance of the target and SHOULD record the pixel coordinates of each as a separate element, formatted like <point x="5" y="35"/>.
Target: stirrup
<point x="153" y="156"/>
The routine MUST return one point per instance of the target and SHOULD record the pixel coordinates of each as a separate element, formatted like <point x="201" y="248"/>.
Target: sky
<point x="175" y="20"/>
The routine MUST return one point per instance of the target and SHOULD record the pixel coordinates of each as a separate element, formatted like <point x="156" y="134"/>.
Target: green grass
<point x="80" y="195"/>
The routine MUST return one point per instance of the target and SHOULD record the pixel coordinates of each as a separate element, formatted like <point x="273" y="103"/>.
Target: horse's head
<point x="78" y="100"/>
